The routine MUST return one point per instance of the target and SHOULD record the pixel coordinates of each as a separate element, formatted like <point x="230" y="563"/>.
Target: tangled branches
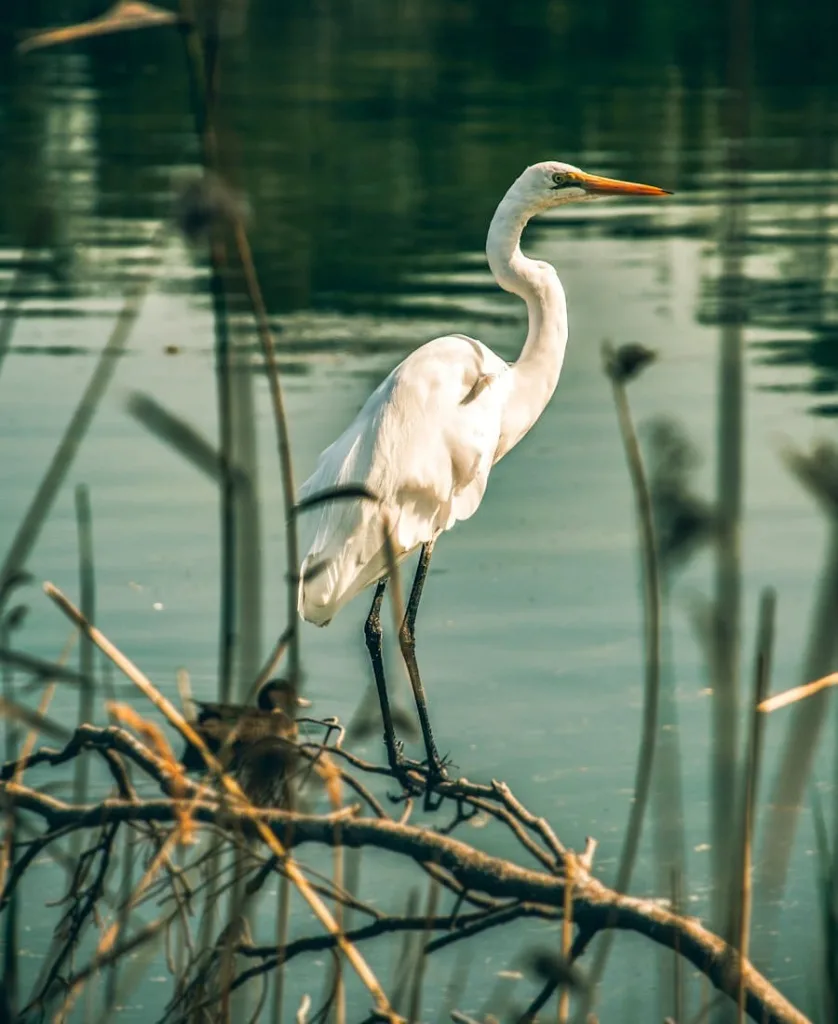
<point x="482" y="891"/>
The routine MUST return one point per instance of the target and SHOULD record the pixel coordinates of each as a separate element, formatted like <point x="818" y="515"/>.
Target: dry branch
<point x="526" y="892"/>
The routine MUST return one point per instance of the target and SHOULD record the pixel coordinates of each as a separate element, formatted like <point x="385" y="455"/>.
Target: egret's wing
<point x="343" y="539"/>
<point x="325" y="529"/>
<point x="477" y="440"/>
<point x="443" y="425"/>
<point x="424" y="443"/>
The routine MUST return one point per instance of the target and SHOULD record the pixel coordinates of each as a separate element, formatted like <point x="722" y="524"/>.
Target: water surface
<point x="372" y="146"/>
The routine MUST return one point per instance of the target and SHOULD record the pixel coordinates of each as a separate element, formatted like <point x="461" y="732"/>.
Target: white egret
<point x="427" y="437"/>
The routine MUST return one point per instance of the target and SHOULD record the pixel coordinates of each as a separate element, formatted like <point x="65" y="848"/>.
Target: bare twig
<point x="125" y="15"/>
<point x="796" y="693"/>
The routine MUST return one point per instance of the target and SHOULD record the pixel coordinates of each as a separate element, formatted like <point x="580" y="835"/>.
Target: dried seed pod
<point x="627" y="362"/>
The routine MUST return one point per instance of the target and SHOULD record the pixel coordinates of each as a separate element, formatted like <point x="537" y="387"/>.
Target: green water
<point x="373" y="141"/>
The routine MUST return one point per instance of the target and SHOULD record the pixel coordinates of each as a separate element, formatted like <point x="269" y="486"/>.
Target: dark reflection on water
<point x="373" y="141"/>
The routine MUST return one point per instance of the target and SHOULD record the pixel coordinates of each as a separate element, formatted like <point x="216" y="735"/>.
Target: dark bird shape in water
<point x="256" y="745"/>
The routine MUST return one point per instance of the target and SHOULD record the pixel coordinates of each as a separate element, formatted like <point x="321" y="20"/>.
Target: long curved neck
<point x="536" y="373"/>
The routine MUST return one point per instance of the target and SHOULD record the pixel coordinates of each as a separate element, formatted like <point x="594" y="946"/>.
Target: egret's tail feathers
<point x="310" y="569"/>
<point x="329" y="585"/>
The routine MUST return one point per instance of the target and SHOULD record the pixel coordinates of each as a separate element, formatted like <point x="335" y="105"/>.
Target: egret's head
<point x="551" y="183"/>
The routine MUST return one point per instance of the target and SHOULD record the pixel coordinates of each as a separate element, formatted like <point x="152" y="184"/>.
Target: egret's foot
<point x="421" y="780"/>
<point x="409" y="776"/>
<point x="416" y="777"/>
<point x="436" y="772"/>
<point x="398" y="762"/>
<point x="404" y="770"/>
<point x="436" y="769"/>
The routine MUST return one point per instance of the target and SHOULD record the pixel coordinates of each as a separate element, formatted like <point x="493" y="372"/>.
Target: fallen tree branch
<point x="596" y="908"/>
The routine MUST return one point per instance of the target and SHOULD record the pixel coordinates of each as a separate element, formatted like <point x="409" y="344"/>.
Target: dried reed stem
<point x="281" y="422"/>
<point x="796" y="693"/>
<point x="730" y="458"/>
<point x="563" y="1011"/>
<point x="87" y="690"/>
<point x="652" y="634"/>
<point x="762" y="677"/>
<point x="177" y="720"/>
<point x="65" y="453"/>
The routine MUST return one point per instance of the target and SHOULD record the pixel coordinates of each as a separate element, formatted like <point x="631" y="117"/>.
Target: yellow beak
<point x="612" y="187"/>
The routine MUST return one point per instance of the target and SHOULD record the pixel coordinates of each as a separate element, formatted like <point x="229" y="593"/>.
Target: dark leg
<point x="372" y="635"/>
<point x="407" y="642"/>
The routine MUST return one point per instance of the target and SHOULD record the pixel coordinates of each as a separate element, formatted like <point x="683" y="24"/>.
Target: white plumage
<point x="427" y="437"/>
<point x="423" y="443"/>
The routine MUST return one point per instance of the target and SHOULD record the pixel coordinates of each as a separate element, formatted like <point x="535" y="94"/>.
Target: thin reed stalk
<point x="87" y="690"/>
<point x="747" y="817"/>
<point x="42" y="501"/>
<point x="11" y="730"/>
<point x="249" y="525"/>
<point x="563" y="1008"/>
<point x="730" y="458"/>
<point x="668" y="811"/>
<point x="827" y="879"/>
<point x="403" y="956"/>
<point x="11" y="942"/>
<point x="819" y="474"/>
<point x="415" y="1006"/>
<point x="202" y="61"/>
<point x="678" y="994"/>
<point x="8" y="846"/>
<point x="339" y="1010"/>
<point x="283" y="444"/>
<point x="126" y="887"/>
<point x="229" y="576"/>
<point x="651" y="584"/>
<point x="283" y="917"/>
<point x="204" y="77"/>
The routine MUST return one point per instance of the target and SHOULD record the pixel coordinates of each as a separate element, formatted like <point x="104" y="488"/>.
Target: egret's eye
<point x="560" y="178"/>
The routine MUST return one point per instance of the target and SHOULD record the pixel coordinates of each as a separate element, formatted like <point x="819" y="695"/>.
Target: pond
<point x="371" y="143"/>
